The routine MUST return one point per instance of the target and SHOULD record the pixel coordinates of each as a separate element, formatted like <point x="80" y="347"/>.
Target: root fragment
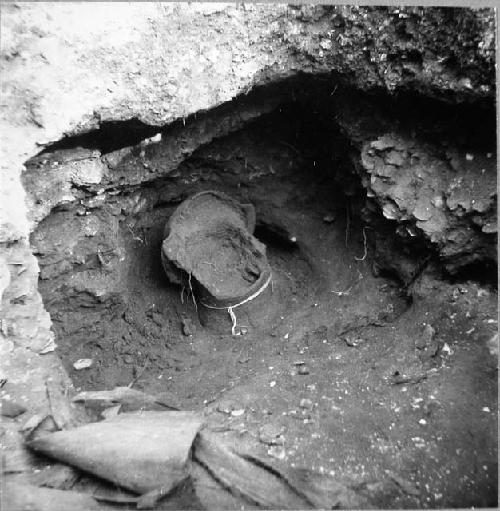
<point x="366" y="250"/>
<point x="192" y="292"/>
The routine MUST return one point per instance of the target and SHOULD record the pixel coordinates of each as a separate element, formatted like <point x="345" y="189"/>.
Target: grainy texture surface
<point x="97" y="83"/>
<point x="67" y="68"/>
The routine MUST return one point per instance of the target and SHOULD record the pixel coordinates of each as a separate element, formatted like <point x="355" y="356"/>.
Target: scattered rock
<point x="492" y="344"/>
<point x="306" y="403"/>
<point x="120" y="449"/>
<point x="238" y="413"/>
<point x="303" y="370"/>
<point x="426" y="338"/>
<point x="49" y="347"/>
<point x="383" y="143"/>
<point x="188" y="327"/>
<point x="397" y="378"/>
<point x="83" y="363"/>
<point x="352" y="341"/>
<point x="62" y="412"/>
<point x="394" y="158"/>
<point x="111" y="412"/>
<point x="277" y="451"/>
<point x="415" y="402"/>
<point x="226" y="407"/>
<point x="129" y="399"/>
<point x="427" y="342"/>
<point x="271" y="434"/>
<point x="446" y="349"/>
<point x="11" y="409"/>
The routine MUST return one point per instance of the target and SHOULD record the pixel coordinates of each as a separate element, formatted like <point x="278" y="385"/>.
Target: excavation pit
<point x="335" y="356"/>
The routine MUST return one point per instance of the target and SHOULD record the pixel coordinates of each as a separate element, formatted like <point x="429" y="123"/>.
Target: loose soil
<point x="344" y="377"/>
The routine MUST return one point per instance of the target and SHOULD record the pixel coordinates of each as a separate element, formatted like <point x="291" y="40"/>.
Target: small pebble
<point x="422" y="421"/>
<point x="271" y="434"/>
<point x="225" y="407"/>
<point x="446" y="349"/>
<point x="485" y="409"/>
<point x="11" y="409"/>
<point x="352" y="341"/>
<point x="277" y="451"/>
<point x="238" y="413"/>
<point x="83" y="363"/>
<point x="109" y="413"/>
<point x="272" y="384"/>
<point x="306" y="403"/>
<point x="188" y="328"/>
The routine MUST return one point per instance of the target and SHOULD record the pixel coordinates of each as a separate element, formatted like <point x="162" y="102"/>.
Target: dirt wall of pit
<point x="68" y="69"/>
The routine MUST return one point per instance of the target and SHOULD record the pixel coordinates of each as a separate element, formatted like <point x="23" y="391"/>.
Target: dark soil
<point x="345" y="372"/>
